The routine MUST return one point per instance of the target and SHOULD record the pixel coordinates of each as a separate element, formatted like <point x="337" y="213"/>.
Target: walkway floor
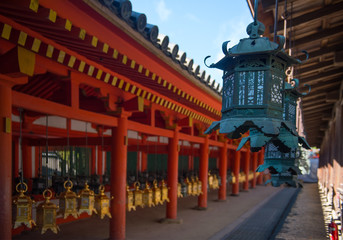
<point x="218" y="221"/>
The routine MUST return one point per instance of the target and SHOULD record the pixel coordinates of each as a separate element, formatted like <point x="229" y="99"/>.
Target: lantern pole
<point x="255" y="11"/>
<point x="275" y="19"/>
<point x="46" y="153"/>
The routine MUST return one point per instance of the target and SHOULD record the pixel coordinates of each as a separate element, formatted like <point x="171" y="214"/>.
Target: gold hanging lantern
<point x="23" y="208"/>
<point x="138" y="195"/>
<point x="199" y="185"/>
<point x="147" y="196"/>
<point x="210" y="180"/>
<point x="68" y="204"/>
<point x="102" y="203"/>
<point x="179" y="193"/>
<point x="215" y="184"/>
<point x="194" y="187"/>
<point x="156" y="194"/>
<point x="46" y="214"/>
<point x="86" y="200"/>
<point x="129" y="198"/>
<point x="164" y="190"/>
<point x="189" y="187"/>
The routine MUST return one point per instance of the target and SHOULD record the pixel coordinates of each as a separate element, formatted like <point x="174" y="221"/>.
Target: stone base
<point x="200" y="208"/>
<point x="170" y="221"/>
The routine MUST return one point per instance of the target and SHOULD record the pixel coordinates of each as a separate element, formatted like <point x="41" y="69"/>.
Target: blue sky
<point x="199" y="27"/>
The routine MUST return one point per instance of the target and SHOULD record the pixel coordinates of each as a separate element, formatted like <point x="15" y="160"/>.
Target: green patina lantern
<point x="287" y="138"/>
<point x="281" y="166"/>
<point x="254" y="88"/>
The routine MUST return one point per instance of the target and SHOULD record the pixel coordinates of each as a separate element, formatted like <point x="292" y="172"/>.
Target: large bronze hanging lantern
<point x="129" y="199"/>
<point x="46" y="214"/>
<point x="189" y="187"/>
<point x="138" y="195"/>
<point x="164" y="191"/>
<point x="254" y="88"/>
<point x="86" y="201"/>
<point x="68" y="203"/>
<point x="102" y="203"/>
<point x="194" y="187"/>
<point x="281" y="166"/>
<point x="23" y="207"/>
<point x="156" y="193"/>
<point x="148" y="196"/>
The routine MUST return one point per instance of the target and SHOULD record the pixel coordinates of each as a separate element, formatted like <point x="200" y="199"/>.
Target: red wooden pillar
<point x="27" y="163"/>
<point x="236" y="168"/>
<point x="203" y="173"/>
<point x="190" y="162"/>
<point x="246" y="170"/>
<point x="260" y="161"/>
<point x="93" y="160"/>
<point x="254" y="166"/>
<point x="173" y="163"/>
<point x="223" y="171"/>
<point x="6" y="156"/>
<point x="118" y="178"/>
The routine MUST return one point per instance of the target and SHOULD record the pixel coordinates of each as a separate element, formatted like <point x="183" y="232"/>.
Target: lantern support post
<point x="172" y="181"/>
<point x="236" y="168"/>
<point x="118" y="178"/>
<point x="6" y="84"/>
<point x="203" y="173"/>
<point x="223" y="171"/>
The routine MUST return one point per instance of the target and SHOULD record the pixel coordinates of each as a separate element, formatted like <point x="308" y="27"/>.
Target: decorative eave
<point x="152" y="47"/>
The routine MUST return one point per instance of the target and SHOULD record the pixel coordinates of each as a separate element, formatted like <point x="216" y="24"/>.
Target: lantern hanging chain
<point x="68" y="149"/>
<point x="276" y="19"/>
<point x="284" y="17"/>
<point x="182" y="170"/>
<point x="86" y="140"/>
<point x="46" y="152"/>
<point x="155" y="165"/>
<point x="138" y="157"/>
<point x="102" y="150"/>
<point x="147" y="151"/>
<point x="21" y="174"/>
<point x="255" y="11"/>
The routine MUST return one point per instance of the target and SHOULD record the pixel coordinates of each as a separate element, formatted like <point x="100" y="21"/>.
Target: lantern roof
<point x="255" y="44"/>
<point x="293" y="87"/>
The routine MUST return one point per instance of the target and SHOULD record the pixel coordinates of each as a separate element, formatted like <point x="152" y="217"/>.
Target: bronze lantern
<point x="46" y="214"/>
<point x="164" y="191"/>
<point x="138" y="195"/>
<point x="86" y="200"/>
<point x="23" y="208"/>
<point x="129" y="199"/>
<point x="148" y="196"/>
<point x="254" y="89"/>
<point x="67" y="201"/>
<point x="102" y="203"/>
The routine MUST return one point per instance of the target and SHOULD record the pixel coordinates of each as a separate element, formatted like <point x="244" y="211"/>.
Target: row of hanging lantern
<point x="148" y="196"/>
<point x="213" y="181"/>
<point x="189" y="188"/>
<point x="69" y="204"/>
<point x="257" y="99"/>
